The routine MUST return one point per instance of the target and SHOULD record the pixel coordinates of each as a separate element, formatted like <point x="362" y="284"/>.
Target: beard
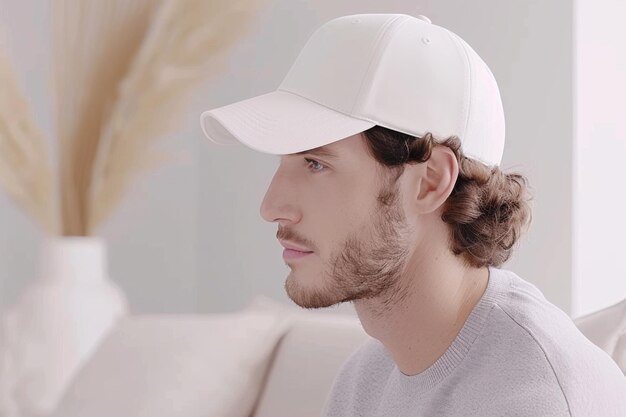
<point x="370" y="263"/>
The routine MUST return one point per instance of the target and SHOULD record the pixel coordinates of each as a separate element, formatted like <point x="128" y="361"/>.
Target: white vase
<point x="56" y="324"/>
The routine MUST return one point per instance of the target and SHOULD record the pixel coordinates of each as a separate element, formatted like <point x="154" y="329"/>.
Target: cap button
<point x="424" y="18"/>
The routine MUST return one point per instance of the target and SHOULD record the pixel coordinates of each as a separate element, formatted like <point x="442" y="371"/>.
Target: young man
<point x="388" y="194"/>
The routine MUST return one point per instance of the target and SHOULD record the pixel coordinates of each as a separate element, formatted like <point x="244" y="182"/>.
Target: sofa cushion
<point x="306" y="359"/>
<point x="606" y="328"/>
<point x="186" y="365"/>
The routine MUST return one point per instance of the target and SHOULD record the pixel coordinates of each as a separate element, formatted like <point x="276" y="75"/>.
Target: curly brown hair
<point x="487" y="210"/>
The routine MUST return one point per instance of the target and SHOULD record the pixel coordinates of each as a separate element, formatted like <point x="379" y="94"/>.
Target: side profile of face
<point x="349" y="214"/>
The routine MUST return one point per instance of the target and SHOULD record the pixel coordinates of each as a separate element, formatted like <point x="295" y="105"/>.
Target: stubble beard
<point x="369" y="265"/>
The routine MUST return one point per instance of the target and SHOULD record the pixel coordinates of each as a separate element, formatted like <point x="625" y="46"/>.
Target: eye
<point x="313" y="164"/>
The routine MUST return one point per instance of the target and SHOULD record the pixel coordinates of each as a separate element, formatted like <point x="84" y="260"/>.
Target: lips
<point x="288" y="245"/>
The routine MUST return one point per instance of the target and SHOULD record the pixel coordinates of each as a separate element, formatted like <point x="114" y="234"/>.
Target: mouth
<point x="294" y="254"/>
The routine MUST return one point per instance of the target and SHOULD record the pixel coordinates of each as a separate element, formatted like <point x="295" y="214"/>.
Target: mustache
<point x="288" y="234"/>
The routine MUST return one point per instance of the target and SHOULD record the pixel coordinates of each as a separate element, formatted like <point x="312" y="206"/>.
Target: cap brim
<point x="279" y="123"/>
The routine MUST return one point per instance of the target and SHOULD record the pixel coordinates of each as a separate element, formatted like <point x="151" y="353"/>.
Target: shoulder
<point x="545" y="346"/>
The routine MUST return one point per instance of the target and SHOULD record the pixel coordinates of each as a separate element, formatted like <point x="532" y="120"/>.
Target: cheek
<point x="338" y="210"/>
<point x="329" y="226"/>
<point x="350" y="221"/>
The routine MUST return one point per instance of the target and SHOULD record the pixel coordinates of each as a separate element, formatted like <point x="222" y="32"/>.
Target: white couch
<point x="269" y="360"/>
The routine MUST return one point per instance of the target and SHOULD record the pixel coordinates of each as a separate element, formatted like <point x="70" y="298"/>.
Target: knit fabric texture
<point x="516" y="355"/>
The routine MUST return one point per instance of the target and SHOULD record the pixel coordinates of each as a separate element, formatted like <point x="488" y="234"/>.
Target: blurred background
<point x="188" y="237"/>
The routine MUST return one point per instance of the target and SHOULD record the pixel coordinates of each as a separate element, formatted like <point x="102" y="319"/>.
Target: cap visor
<point x="279" y="123"/>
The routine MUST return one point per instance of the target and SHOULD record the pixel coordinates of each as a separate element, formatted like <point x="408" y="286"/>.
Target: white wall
<point x="600" y="154"/>
<point x="190" y="237"/>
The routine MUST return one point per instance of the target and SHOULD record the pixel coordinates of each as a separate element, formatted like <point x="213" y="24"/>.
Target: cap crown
<point x="405" y="74"/>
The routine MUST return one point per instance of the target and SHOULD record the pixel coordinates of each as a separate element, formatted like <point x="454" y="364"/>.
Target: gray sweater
<point x="516" y="355"/>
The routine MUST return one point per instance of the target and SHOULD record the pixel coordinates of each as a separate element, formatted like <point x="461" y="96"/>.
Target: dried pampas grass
<point x="25" y="171"/>
<point x="184" y="45"/>
<point x="95" y="43"/>
<point x="122" y="72"/>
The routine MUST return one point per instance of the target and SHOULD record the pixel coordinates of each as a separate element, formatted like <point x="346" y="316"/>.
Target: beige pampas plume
<point x="187" y="43"/>
<point x="122" y="71"/>
<point x="25" y="169"/>
<point x="95" y="43"/>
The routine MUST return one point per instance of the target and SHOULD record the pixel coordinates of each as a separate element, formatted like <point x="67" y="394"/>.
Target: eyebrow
<point x="320" y="151"/>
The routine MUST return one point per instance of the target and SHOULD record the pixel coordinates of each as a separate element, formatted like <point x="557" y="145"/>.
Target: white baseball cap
<point x="393" y="70"/>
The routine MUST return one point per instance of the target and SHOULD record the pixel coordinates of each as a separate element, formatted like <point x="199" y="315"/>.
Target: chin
<point x="307" y="296"/>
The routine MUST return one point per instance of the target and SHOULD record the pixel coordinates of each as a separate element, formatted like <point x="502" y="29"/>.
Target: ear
<point x="437" y="179"/>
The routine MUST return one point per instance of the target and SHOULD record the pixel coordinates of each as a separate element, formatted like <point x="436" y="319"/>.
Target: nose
<point x="278" y="203"/>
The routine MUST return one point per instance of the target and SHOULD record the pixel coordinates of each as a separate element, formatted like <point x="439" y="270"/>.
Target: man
<point x="388" y="194"/>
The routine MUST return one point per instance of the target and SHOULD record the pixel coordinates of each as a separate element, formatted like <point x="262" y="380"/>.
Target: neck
<point x="420" y="319"/>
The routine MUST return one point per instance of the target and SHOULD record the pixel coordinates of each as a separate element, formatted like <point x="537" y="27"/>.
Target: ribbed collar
<point x="496" y="289"/>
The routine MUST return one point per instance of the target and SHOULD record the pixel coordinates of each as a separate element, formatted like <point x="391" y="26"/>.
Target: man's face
<point x="334" y="207"/>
